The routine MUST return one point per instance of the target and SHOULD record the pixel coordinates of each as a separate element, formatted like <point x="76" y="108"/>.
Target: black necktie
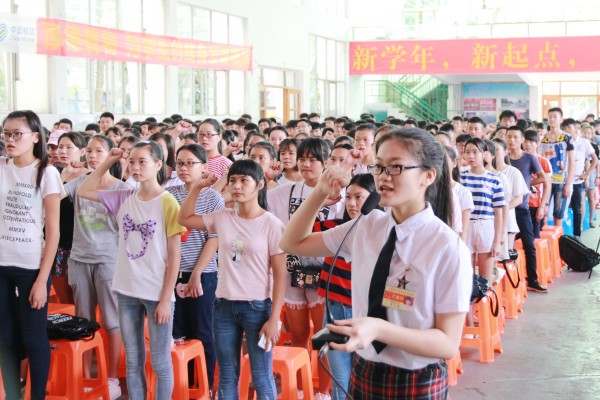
<point x="378" y="281"/>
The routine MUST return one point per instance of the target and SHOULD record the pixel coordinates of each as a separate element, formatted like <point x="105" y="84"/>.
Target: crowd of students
<point x="210" y="228"/>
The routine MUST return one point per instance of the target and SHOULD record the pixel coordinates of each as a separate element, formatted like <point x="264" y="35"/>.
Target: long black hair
<point x="253" y="170"/>
<point x="453" y="154"/>
<point x="109" y="144"/>
<point x="39" y="148"/>
<point x="429" y="154"/>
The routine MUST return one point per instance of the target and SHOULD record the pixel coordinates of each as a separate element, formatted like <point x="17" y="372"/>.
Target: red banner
<point x="475" y="56"/>
<point x="64" y="38"/>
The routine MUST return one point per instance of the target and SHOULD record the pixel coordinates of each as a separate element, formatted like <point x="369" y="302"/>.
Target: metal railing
<point x="430" y="108"/>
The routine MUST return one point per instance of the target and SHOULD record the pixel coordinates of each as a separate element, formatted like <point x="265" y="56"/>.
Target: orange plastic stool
<point x="511" y="294"/>
<point x="190" y="350"/>
<point x="486" y="336"/>
<point x="66" y="378"/>
<point x="181" y="355"/>
<point x="52" y="296"/>
<point x="501" y="316"/>
<point x="59" y="308"/>
<point x="287" y="361"/>
<point x="454" y="366"/>
<point x="543" y="268"/>
<point x="556" y="263"/>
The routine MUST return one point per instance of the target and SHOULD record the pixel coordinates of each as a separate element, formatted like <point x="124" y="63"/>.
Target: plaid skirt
<point x="377" y="381"/>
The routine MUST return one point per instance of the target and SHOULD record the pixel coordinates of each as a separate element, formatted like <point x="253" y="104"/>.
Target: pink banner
<point x="476" y="56"/>
<point x="64" y="38"/>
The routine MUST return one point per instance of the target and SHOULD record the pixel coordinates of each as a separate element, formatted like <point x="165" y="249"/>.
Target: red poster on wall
<point x="63" y="38"/>
<point x="475" y="56"/>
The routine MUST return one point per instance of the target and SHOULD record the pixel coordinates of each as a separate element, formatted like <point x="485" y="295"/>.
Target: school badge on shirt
<point x="398" y="297"/>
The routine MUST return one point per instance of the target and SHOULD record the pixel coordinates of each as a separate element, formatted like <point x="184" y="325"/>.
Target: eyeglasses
<point x="391" y="170"/>
<point x="188" y="164"/>
<point x="16" y="136"/>
<point x="207" y="135"/>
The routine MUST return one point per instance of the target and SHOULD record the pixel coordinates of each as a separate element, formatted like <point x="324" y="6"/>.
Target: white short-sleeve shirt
<point x="432" y="258"/>
<point x="283" y="201"/>
<point x="583" y="150"/>
<point x="464" y="196"/>
<point x="22" y="204"/>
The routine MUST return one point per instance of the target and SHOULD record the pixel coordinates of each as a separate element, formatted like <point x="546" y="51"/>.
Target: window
<point x="279" y="95"/>
<point x="22" y="74"/>
<point x="94" y="86"/>
<point x="5" y="81"/>
<point x="210" y="92"/>
<point x="327" y="59"/>
<point x="328" y="7"/>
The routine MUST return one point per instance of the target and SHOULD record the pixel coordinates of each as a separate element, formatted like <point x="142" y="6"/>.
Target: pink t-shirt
<point x="219" y="165"/>
<point x="245" y="248"/>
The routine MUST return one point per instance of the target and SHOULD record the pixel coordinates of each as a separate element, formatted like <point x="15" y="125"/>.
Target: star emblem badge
<point x="403" y="282"/>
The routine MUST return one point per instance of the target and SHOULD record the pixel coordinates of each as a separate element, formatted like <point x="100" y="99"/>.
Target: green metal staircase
<point x="420" y="96"/>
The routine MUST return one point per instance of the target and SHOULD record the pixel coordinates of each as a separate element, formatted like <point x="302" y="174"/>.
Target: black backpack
<point x="65" y="326"/>
<point x="578" y="256"/>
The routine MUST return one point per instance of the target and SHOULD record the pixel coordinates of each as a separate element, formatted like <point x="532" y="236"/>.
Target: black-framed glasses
<point x="16" y="136"/>
<point x="188" y="164"/>
<point x="207" y="135"/>
<point x="391" y="170"/>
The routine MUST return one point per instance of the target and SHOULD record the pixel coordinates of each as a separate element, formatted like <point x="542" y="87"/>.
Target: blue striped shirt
<point x="208" y="201"/>
<point x="487" y="191"/>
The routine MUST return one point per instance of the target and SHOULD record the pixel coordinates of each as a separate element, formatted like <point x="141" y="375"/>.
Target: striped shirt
<point x="219" y="165"/>
<point x="340" y="287"/>
<point x="208" y="201"/>
<point x="487" y="191"/>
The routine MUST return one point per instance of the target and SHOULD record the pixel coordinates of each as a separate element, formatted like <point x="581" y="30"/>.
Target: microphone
<point x="324" y="336"/>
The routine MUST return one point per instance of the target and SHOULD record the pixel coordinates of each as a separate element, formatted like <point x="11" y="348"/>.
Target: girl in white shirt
<point x="251" y="282"/>
<point x="515" y="189"/>
<point x="464" y="196"/>
<point x="148" y="257"/>
<point x="429" y="278"/>
<point x="30" y="193"/>
<point x="304" y="304"/>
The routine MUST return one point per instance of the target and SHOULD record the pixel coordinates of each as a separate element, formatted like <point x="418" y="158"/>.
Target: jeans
<point x="578" y="188"/>
<point x="193" y="318"/>
<point x="132" y="312"/>
<point x="22" y="333"/>
<point x="537" y="225"/>
<point x="230" y="320"/>
<point x="339" y="361"/>
<point x="560" y="202"/>
<point x="526" y="236"/>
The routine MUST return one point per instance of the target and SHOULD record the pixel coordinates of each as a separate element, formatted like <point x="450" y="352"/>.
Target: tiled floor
<point x="551" y="351"/>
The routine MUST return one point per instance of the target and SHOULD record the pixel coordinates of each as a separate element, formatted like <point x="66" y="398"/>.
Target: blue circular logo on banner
<point x="3" y="31"/>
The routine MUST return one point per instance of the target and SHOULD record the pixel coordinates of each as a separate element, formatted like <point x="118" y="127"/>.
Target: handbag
<point x="65" y="326"/>
<point x="482" y="288"/>
<point x="304" y="277"/>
